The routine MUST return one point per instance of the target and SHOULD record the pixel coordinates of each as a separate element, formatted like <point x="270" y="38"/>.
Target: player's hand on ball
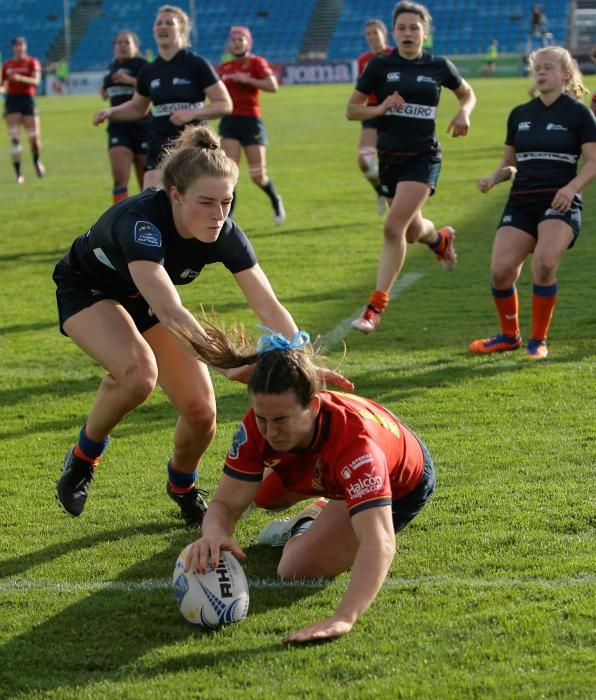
<point x="208" y="549"/>
<point x="330" y="628"/>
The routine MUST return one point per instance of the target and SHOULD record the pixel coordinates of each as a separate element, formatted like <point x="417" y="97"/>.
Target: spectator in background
<point x="127" y="141"/>
<point x="245" y="75"/>
<point x="21" y="76"/>
<point x="538" y="28"/>
<point x="176" y="83"/>
<point x="490" y="60"/>
<point x="375" y="33"/>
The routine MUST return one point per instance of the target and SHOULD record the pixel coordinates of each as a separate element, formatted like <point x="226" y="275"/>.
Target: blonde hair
<point x="183" y="19"/>
<point x="573" y="84"/>
<point x="195" y="153"/>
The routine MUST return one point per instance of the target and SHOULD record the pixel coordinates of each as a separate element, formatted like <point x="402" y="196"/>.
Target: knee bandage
<point x="15" y="146"/>
<point x="33" y="133"/>
<point x="258" y="172"/>
<point x="369" y="156"/>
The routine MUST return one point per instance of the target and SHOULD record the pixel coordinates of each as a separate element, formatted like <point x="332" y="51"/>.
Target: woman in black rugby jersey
<point x="117" y="300"/>
<point x="545" y="139"/>
<point x="127" y="141"/>
<point x="176" y="83"/>
<point x="407" y="83"/>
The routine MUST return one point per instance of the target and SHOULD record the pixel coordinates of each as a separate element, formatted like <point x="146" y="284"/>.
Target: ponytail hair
<point x="279" y="367"/>
<point x="195" y="153"/>
<point x="573" y="84"/>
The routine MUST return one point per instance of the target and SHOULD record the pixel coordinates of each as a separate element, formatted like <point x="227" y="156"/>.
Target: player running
<point x="118" y="302"/>
<point x="542" y="217"/>
<point x="375" y="33"/>
<point x="176" y="83"/>
<point x="245" y="75"/>
<point x="127" y="141"/>
<point x="298" y="441"/>
<point x="407" y="83"/>
<point x="21" y="75"/>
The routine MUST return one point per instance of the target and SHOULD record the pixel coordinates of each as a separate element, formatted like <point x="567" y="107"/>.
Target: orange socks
<point x="507" y="303"/>
<point x="378" y="300"/>
<point x="543" y="305"/>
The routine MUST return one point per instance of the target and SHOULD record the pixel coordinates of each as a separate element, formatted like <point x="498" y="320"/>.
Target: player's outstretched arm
<point x="505" y="171"/>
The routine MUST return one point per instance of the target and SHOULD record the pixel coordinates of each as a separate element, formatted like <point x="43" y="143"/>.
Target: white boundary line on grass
<point x="344" y="327"/>
<point x="14" y="585"/>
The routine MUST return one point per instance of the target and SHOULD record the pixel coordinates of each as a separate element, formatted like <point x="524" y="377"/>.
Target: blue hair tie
<point x="276" y="341"/>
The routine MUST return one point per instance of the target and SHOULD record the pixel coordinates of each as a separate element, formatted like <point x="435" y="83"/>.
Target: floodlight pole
<point x="67" y="42"/>
<point x="194" y="35"/>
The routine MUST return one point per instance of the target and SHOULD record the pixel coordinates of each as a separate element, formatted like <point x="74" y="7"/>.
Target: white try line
<point x="344" y="327"/>
<point x="15" y="585"/>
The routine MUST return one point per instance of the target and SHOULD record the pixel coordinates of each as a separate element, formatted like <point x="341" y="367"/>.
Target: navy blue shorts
<point x="526" y="211"/>
<point x="405" y="509"/>
<point x="408" y="168"/>
<point x="132" y="135"/>
<point x="20" y="104"/>
<point x="73" y="295"/>
<point x="249" y="131"/>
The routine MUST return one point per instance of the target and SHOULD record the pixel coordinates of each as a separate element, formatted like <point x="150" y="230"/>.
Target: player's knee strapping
<point x="15" y="144"/>
<point x="258" y="173"/>
<point x="369" y="155"/>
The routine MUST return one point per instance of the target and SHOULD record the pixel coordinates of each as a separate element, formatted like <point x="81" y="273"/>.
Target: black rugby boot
<point x="192" y="505"/>
<point x="72" y="488"/>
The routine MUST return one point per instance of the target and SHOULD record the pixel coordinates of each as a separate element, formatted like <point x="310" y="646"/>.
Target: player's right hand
<point x="485" y="184"/>
<point x="101" y="116"/>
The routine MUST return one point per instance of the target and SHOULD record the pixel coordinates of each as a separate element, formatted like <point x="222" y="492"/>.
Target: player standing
<point x="407" y="83"/>
<point x="127" y="141"/>
<point x="375" y="33"/>
<point x="545" y="139"/>
<point x="245" y="75"/>
<point x="176" y="83"/>
<point x="21" y="75"/>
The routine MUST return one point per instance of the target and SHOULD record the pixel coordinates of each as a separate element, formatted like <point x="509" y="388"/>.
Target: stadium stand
<point x="279" y="27"/>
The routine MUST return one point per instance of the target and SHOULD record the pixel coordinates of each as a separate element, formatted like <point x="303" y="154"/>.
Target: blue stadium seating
<point x="39" y="21"/>
<point x="460" y="26"/>
<point x="278" y="26"/>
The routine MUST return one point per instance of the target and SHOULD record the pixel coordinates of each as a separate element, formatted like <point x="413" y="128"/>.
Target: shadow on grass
<point x="104" y="636"/>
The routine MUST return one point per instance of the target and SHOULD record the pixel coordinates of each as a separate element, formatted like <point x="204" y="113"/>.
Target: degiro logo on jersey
<point x="147" y="233"/>
<point x="365" y="486"/>
<point x="412" y="111"/>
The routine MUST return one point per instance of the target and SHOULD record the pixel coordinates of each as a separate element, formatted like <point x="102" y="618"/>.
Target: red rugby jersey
<point x="244" y="97"/>
<point x="363" y="60"/>
<point x="361" y="453"/>
<point x="27" y="66"/>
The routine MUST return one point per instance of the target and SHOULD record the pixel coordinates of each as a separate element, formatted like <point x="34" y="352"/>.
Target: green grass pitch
<point x="492" y="592"/>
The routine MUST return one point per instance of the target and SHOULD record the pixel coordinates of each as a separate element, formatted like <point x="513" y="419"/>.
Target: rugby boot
<point x="279" y="212"/>
<point x="278" y="532"/>
<point x="72" y="488"/>
<point x="40" y="169"/>
<point x="368" y="320"/>
<point x="192" y="505"/>
<point x="498" y="343"/>
<point x="537" y="349"/>
<point x="446" y="251"/>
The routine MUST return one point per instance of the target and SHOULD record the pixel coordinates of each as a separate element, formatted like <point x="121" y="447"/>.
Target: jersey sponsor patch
<point x="239" y="439"/>
<point x="555" y="127"/>
<point x="364" y="486"/>
<point x="119" y="90"/>
<point x="524" y="126"/>
<point x="412" y="111"/>
<point x="166" y="109"/>
<point x="147" y="233"/>
<point x="393" y="77"/>
<point x="570" y="158"/>
<point x="360" y="461"/>
<point x="425" y="79"/>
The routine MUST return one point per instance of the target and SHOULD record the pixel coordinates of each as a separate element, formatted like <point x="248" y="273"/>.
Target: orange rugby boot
<point x="446" y="251"/>
<point x="498" y="343"/>
<point x="537" y="349"/>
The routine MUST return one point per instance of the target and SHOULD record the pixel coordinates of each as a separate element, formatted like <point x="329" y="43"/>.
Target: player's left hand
<point x="335" y="378"/>
<point x="330" y="628"/>
<point x="563" y="199"/>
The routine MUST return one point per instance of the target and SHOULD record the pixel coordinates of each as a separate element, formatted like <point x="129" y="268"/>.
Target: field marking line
<point x="14" y="585"/>
<point x="344" y="327"/>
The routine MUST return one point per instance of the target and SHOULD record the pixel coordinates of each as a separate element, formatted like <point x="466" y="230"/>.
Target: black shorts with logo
<point x="20" y="104"/>
<point x="73" y="295"/>
<point x="408" y="168"/>
<point x="526" y="211"/>
<point x="249" y="131"/>
<point x="132" y="135"/>
<point x="407" y="508"/>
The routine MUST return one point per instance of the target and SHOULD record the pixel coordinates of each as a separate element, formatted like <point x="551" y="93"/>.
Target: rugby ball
<point x="216" y="598"/>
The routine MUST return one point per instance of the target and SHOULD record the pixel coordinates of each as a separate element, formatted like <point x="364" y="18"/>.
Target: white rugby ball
<point x="216" y="598"/>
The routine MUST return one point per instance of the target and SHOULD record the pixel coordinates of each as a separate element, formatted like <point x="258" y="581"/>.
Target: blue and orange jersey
<point x="360" y="453"/>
